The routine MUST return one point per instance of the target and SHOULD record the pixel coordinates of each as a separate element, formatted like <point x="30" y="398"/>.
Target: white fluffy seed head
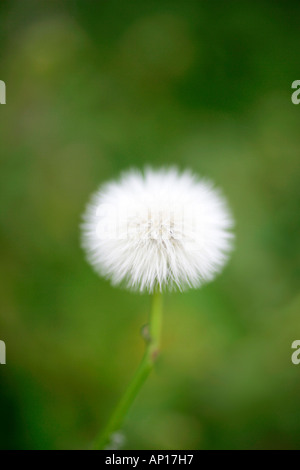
<point x="157" y="229"/>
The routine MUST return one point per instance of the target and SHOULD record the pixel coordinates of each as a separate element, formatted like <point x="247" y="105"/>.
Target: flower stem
<point x="150" y="355"/>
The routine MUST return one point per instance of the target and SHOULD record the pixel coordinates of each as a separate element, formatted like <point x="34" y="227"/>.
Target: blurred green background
<point x="95" y="87"/>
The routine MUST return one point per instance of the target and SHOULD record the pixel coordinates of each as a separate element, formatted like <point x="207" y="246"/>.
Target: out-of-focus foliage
<point x="94" y="88"/>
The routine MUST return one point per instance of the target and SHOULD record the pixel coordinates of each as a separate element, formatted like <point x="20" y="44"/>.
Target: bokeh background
<point x="95" y="87"/>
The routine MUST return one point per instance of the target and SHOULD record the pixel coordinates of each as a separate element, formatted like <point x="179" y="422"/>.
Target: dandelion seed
<point x="157" y="229"/>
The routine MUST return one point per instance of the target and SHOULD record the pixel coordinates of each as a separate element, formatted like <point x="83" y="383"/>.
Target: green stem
<point x="151" y="353"/>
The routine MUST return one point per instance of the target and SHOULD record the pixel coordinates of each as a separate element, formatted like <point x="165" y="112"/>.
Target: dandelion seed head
<point x="157" y="229"/>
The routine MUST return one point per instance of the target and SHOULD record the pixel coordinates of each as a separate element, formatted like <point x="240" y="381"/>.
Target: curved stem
<point x="151" y="353"/>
